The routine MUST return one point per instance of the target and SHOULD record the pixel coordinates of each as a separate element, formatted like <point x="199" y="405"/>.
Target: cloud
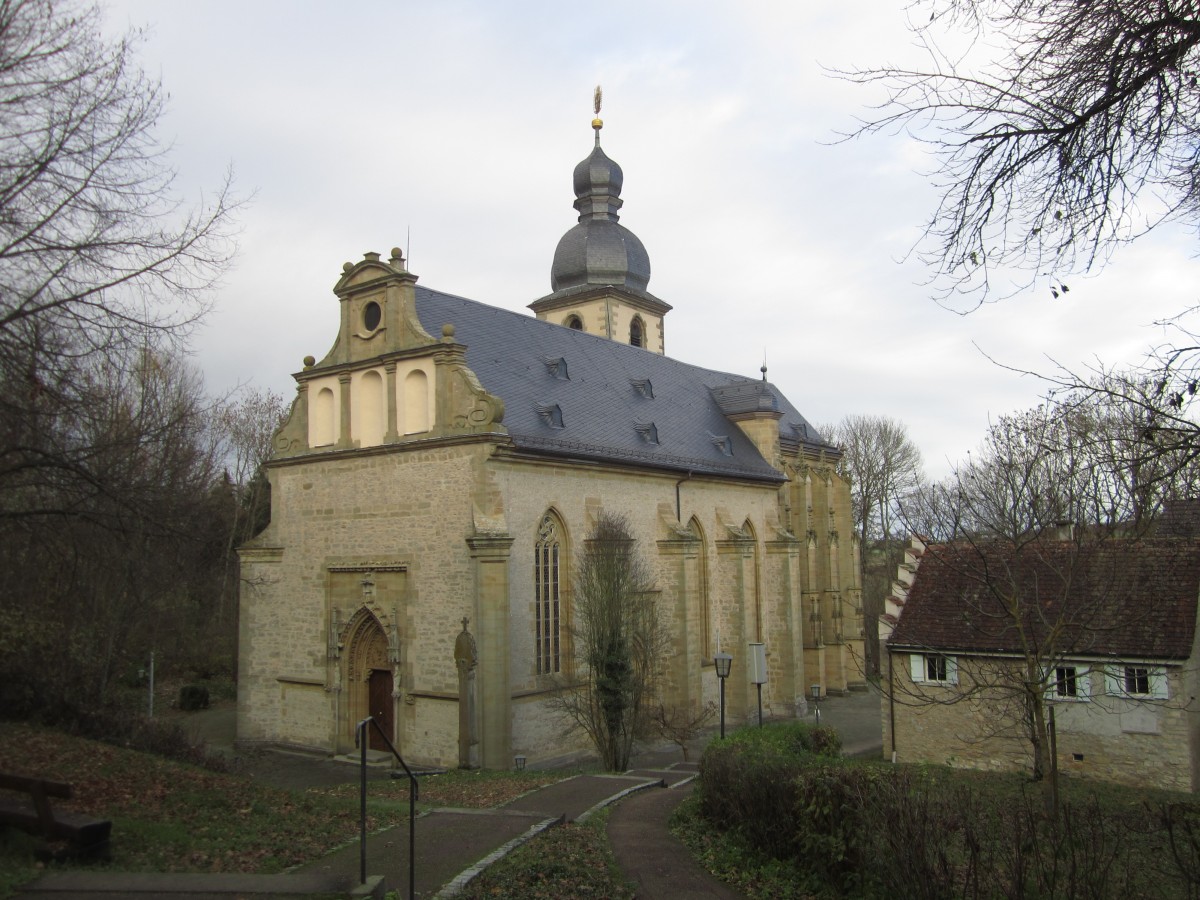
<point x="452" y="129"/>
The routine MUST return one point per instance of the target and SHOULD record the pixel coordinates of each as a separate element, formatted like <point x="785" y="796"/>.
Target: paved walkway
<point x="454" y="845"/>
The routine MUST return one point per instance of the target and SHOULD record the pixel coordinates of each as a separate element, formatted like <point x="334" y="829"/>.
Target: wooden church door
<point x="379" y="696"/>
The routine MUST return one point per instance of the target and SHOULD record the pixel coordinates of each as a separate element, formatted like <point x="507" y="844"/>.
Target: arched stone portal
<point x="369" y="680"/>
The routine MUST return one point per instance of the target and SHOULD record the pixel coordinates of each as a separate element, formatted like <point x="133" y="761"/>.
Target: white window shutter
<point x="1083" y="682"/>
<point x="952" y="670"/>
<point x="1158" y="683"/>
<point x="916" y="663"/>
<point x="1114" y="681"/>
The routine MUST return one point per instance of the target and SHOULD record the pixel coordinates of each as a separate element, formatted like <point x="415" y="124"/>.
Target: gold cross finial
<point x="597" y="122"/>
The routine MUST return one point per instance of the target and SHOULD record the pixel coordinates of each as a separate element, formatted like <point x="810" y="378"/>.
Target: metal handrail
<point x="360" y="742"/>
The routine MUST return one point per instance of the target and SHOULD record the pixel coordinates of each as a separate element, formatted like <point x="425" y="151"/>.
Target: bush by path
<point x="834" y="827"/>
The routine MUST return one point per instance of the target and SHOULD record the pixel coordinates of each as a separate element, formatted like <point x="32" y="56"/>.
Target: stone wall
<point x="341" y="517"/>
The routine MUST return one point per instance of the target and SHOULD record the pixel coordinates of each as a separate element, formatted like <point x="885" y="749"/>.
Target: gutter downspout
<point x="892" y="702"/>
<point x="678" y="513"/>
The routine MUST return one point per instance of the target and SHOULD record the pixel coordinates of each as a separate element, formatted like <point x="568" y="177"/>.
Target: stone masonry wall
<point x="407" y="509"/>
<point x="577" y="494"/>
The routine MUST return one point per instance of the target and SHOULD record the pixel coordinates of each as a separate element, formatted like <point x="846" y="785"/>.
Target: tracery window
<point x="547" y="572"/>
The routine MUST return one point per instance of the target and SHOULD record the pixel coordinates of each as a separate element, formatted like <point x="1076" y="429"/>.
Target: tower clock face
<point x="372" y="315"/>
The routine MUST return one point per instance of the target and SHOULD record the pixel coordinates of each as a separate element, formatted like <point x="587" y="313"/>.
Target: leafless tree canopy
<point x="100" y="264"/>
<point x="1061" y="131"/>
<point x="116" y="517"/>
<point x="1110" y="452"/>
<point x="92" y="238"/>
<point x="883" y="465"/>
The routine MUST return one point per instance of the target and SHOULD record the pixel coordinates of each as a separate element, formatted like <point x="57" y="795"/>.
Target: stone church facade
<point x="440" y="469"/>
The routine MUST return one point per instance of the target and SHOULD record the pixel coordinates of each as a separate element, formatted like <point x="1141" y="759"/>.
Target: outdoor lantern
<point x="519" y="761"/>
<point x="723" y="662"/>
<point x="816" y="695"/>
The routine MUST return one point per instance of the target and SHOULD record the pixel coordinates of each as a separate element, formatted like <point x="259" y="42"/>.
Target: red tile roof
<point x="1113" y="597"/>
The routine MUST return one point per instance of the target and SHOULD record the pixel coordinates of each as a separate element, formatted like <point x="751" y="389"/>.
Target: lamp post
<point x="816" y="695"/>
<point x="722" y="661"/>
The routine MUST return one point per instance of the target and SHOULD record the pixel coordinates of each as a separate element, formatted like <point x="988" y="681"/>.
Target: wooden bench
<point x="85" y="836"/>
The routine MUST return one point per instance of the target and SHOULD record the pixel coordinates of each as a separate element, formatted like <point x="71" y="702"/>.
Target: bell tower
<point x="600" y="268"/>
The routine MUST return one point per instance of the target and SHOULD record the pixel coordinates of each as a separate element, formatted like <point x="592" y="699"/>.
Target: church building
<point x="440" y="469"/>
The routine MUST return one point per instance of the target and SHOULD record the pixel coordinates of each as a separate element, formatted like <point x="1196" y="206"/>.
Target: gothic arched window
<point x="547" y="575"/>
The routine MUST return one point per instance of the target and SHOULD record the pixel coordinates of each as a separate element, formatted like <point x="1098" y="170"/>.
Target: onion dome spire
<point x="599" y="250"/>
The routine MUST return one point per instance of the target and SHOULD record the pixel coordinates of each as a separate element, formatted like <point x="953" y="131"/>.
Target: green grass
<point x="734" y="861"/>
<point x="573" y="860"/>
<point x="176" y="817"/>
<point x="471" y="788"/>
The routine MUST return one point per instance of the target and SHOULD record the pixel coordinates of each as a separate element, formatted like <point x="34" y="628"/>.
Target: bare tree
<point x="681" y="724"/>
<point x="883" y="467"/>
<point x="1062" y="131"/>
<point x="110" y="537"/>
<point x="619" y="643"/>
<point x="247" y="424"/>
<point x="129" y="568"/>
<point x="98" y="259"/>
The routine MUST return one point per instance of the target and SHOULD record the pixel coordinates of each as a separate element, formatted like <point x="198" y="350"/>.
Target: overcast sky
<point x="452" y="128"/>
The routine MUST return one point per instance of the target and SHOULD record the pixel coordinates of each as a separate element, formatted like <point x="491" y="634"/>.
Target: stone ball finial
<point x="347" y="266"/>
<point x="448" y="331"/>
<point x="309" y="362"/>
<point x="397" y="254"/>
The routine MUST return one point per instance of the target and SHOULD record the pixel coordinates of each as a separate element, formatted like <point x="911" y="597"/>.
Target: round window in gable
<point x="372" y="315"/>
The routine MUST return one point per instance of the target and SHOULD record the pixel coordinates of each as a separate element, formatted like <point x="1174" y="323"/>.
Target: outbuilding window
<point x="933" y="667"/>
<point x="1068" y="682"/>
<point x="1137" y="681"/>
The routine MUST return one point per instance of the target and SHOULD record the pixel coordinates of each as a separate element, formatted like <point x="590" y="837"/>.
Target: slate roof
<point x="1180" y="518"/>
<point x="573" y="394"/>
<point x="1115" y="598"/>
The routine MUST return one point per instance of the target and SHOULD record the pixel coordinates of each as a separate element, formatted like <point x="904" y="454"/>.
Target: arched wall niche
<point x="323" y="418"/>
<point x="416" y="402"/>
<point x="368" y="411"/>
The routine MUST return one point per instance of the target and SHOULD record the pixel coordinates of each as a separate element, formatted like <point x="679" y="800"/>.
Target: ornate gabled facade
<point x="442" y="465"/>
